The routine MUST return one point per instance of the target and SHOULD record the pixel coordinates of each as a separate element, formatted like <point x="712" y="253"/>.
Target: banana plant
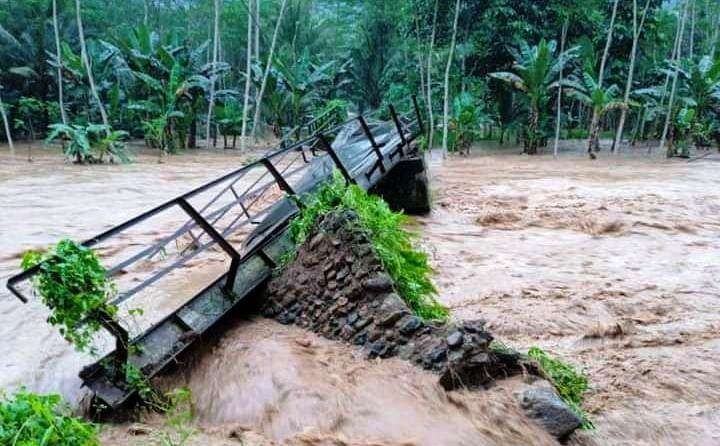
<point x="174" y="80"/>
<point x="702" y="85"/>
<point x="90" y="144"/>
<point x="18" y="55"/>
<point x="229" y="117"/>
<point x="698" y="97"/>
<point x="464" y="123"/>
<point x="534" y="74"/>
<point x="601" y="99"/>
<point x="302" y="82"/>
<point x="682" y="130"/>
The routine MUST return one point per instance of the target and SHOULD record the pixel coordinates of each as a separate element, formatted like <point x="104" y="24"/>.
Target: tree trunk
<point x="257" y="30"/>
<point x="88" y="67"/>
<point x="637" y="31"/>
<point x="559" y="97"/>
<point x="419" y="60"/>
<point x="639" y="127"/>
<point x="216" y="48"/>
<point x="248" y="71"/>
<point x="595" y="143"/>
<point x="673" y="54"/>
<point x="671" y="103"/>
<point x="192" y="136"/>
<point x="258" y="99"/>
<point x="531" y="140"/>
<point x="446" y="103"/>
<point x="431" y="118"/>
<point x="6" y="124"/>
<point x="594" y="133"/>
<point x="692" y="31"/>
<point x="61" y="100"/>
<point x="463" y="79"/>
<point x="716" y="37"/>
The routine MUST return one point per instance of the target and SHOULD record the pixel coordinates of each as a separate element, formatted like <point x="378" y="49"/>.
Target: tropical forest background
<point x="186" y="74"/>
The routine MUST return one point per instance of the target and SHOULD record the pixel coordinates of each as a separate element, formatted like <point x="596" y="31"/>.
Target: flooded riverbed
<point x="612" y="265"/>
<point x="47" y="200"/>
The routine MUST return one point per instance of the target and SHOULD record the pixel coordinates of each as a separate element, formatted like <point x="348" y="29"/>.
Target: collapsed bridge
<point x="236" y="227"/>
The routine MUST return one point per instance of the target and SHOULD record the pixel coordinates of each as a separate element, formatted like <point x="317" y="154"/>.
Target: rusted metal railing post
<point x="338" y="162"/>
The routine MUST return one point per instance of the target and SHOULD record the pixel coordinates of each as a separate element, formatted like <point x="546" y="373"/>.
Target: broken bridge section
<point x="180" y="267"/>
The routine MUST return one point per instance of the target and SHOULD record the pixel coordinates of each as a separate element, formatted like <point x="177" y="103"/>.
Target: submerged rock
<point x="542" y="403"/>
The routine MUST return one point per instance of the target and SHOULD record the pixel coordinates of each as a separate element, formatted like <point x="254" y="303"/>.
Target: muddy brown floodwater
<point x="611" y="265"/>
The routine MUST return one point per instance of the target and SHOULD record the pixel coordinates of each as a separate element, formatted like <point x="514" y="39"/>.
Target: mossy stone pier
<point x="406" y="187"/>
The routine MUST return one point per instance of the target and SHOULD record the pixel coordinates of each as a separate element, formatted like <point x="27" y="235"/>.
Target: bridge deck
<point x="362" y="149"/>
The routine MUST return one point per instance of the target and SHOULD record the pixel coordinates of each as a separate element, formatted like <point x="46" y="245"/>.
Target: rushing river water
<point x="612" y="265"/>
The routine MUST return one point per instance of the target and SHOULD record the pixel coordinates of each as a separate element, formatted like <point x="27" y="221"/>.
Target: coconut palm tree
<point x="534" y="75"/>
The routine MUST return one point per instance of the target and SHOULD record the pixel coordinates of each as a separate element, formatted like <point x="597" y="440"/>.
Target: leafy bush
<point x="27" y="419"/>
<point x="179" y="413"/>
<point x="464" y="123"/>
<point x="30" y="110"/>
<point x="407" y="266"/>
<point x="685" y="126"/>
<point x="72" y="283"/>
<point x="333" y="112"/>
<point x="230" y="118"/>
<point x="577" y="133"/>
<point x="91" y="143"/>
<point x="570" y="384"/>
<point x="107" y="142"/>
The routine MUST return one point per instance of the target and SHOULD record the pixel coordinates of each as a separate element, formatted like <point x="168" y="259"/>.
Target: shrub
<point x="570" y="384"/>
<point x="28" y="419"/>
<point x="407" y="266"/>
<point x="91" y="143"/>
<point x="72" y="283"/>
<point x="464" y="122"/>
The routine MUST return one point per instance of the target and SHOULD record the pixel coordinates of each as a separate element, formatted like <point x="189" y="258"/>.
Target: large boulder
<point x="542" y="403"/>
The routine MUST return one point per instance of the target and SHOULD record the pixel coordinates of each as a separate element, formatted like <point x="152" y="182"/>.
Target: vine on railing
<point x="72" y="283"/>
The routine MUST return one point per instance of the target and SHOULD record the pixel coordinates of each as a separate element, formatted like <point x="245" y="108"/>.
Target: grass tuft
<point x="569" y="383"/>
<point x="406" y="265"/>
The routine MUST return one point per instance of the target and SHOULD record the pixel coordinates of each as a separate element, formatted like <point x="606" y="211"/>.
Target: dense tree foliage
<point x="160" y="72"/>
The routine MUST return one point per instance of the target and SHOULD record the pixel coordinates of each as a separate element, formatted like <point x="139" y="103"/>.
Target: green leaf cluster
<point x="92" y="143"/>
<point x="28" y="419"/>
<point x="407" y="266"/>
<point x="72" y="283"/>
<point x="569" y="383"/>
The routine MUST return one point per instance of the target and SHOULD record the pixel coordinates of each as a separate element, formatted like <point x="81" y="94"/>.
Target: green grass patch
<point x="28" y="419"/>
<point x="406" y="265"/>
<point x="569" y="383"/>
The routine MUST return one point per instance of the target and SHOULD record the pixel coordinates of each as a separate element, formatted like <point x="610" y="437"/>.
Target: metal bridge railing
<point x="218" y="218"/>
